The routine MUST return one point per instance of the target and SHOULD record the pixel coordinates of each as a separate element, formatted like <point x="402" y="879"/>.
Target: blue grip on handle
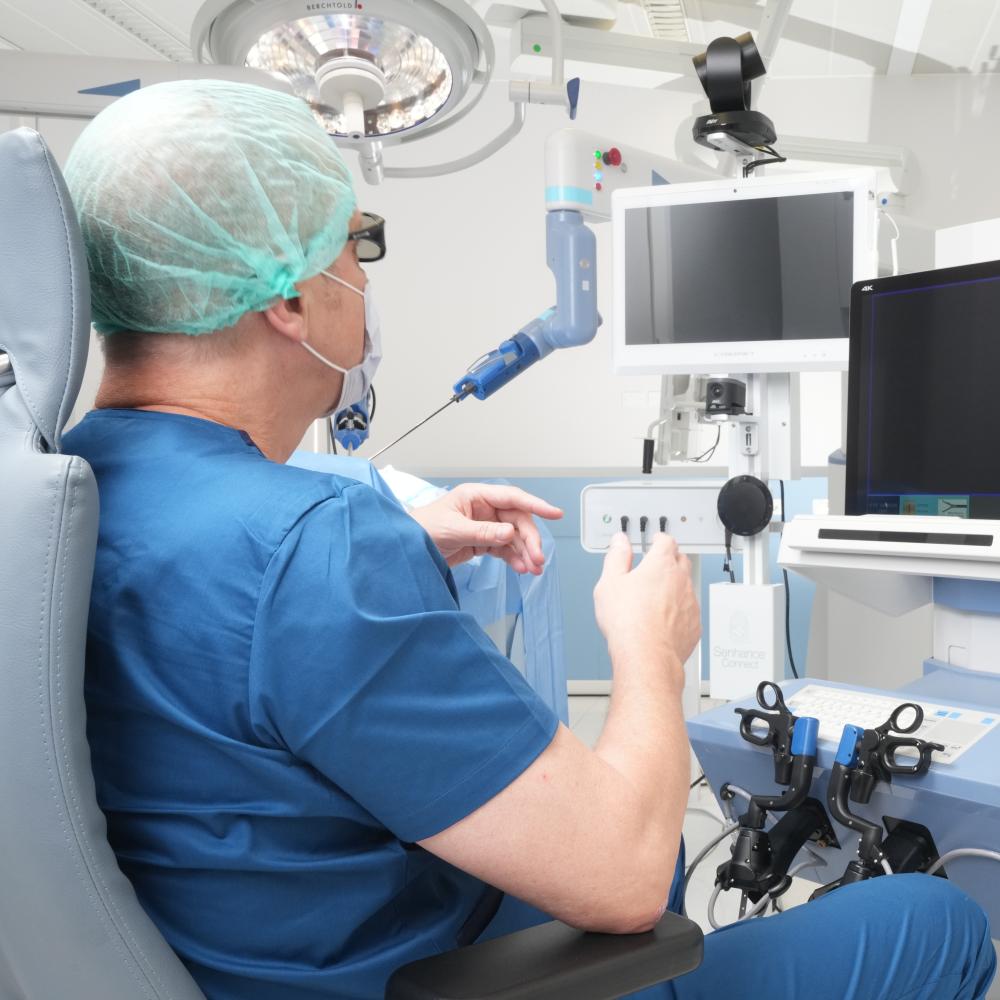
<point x="804" y="736"/>
<point x="498" y="367"/>
<point x="847" y="752"/>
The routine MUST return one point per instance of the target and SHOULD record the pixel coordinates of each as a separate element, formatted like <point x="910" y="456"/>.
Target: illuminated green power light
<point x="597" y="154"/>
<point x="536" y="48"/>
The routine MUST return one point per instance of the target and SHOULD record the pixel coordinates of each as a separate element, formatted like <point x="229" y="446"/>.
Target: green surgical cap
<point x="203" y="200"/>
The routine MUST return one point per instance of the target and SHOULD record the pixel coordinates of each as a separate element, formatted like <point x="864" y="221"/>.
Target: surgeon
<point x="315" y="767"/>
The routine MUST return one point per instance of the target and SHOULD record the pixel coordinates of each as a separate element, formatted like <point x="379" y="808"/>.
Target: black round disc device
<point x="749" y="127"/>
<point x="745" y="505"/>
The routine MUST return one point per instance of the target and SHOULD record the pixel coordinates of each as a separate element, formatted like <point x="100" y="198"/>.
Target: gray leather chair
<point x="70" y="923"/>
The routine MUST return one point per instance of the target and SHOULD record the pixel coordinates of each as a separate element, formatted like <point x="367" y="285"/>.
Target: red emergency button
<point x="613" y="157"/>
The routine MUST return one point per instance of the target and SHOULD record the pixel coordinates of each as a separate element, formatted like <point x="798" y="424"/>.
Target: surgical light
<point x="372" y="71"/>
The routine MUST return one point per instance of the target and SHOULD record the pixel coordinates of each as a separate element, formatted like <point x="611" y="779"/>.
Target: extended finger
<point x="513" y="497"/>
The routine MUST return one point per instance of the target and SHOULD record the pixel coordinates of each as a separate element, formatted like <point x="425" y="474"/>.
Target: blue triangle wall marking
<point x="113" y="89"/>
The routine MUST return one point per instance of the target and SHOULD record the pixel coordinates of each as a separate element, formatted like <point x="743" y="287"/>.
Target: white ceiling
<point x="821" y="37"/>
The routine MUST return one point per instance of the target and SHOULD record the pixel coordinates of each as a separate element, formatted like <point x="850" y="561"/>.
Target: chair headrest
<point x="44" y="286"/>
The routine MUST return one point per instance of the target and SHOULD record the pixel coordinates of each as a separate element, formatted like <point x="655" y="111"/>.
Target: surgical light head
<point x="202" y="200"/>
<point x="372" y="71"/>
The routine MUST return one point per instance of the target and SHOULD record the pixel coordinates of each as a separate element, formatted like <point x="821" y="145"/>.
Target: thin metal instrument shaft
<point x="392" y="444"/>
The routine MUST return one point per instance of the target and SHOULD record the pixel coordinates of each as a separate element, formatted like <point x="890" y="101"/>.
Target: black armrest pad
<point x="554" y="960"/>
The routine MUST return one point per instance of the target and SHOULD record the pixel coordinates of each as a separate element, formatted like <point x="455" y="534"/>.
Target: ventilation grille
<point x="666" y="19"/>
<point x="142" y="27"/>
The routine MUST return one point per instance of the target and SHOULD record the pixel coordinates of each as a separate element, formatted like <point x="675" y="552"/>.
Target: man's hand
<point x="475" y="519"/>
<point x="653" y="605"/>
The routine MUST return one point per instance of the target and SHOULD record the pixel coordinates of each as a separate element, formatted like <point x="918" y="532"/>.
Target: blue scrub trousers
<point x="902" y="937"/>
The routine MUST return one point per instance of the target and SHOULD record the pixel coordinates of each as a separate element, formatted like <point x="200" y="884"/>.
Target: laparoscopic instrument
<point x="761" y="858"/>
<point x="818" y="798"/>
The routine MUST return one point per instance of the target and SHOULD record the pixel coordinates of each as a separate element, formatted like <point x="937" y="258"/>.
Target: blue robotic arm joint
<point x="574" y="320"/>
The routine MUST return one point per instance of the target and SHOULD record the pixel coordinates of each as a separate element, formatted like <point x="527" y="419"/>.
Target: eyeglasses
<point x="370" y="238"/>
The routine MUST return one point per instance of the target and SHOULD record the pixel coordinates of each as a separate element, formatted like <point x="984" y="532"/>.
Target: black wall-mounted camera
<point x="725" y="397"/>
<point x="726" y="70"/>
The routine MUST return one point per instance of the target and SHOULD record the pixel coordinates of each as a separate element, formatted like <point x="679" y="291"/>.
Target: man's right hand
<point x="651" y="609"/>
<point x="534" y="838"/>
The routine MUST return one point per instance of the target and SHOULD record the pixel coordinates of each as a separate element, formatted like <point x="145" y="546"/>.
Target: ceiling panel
<point x="135" y="20"/>
<point x="959" y="36"/>
<point x="856" y="37"/>
<point x="65" y="26"/>
<point x="822" y="37"/>
<point x="176" y="16"/>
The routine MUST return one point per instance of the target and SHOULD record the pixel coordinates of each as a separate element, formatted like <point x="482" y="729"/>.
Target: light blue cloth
<point x="522" y="605"/>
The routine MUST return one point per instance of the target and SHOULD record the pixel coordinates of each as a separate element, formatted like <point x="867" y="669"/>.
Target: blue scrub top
<point x="282" y="697"/>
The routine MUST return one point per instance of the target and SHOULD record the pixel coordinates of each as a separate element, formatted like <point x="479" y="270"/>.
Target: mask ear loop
<point x="346" y="284"/>
<point x="312" y="350"/>
<point x="319" y="357"/>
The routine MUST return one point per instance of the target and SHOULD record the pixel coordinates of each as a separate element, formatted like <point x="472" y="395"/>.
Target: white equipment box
<point x="689" y="508"/>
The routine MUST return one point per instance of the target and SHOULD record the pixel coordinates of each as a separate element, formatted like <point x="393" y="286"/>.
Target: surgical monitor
<point x="741" y="276"/>
<point x="922" y="398"/>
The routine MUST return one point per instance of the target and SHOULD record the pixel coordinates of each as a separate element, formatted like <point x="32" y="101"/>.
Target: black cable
<point x="706" y="455"/>
<point x="727" y="566"/>
<point x="788" y="609"/>
<point x="754" y="164"/>
<point x="697" y="781"/>
<point x="329" y="428"/>
<point x="371" y="414"/>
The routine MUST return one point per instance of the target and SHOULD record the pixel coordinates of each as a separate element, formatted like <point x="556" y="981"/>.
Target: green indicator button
<point x="536" y="48"/>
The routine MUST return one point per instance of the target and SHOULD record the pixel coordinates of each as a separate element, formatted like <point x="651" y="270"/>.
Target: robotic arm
<point x="581" y="173"/>
<point x="573" y="321"/>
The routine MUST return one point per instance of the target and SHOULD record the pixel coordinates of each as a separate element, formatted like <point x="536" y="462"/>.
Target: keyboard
<point x="956" y="728"/>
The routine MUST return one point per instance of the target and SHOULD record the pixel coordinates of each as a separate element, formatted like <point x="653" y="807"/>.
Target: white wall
<point x="570" y="412"/>
<point x="466" y="264"/>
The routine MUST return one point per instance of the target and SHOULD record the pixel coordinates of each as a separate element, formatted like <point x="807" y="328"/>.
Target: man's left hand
<point x="475" y="519"/>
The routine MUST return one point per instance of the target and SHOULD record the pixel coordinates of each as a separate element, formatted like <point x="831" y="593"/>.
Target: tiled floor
<point x="702" y="823"/>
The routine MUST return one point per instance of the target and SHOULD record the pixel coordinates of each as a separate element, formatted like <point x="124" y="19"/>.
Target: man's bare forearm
<point x="645" y="740"/>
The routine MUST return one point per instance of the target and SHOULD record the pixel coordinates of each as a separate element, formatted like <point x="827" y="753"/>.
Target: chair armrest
<point x="554" y="960"/>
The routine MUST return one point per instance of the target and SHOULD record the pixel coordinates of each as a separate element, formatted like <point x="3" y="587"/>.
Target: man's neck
<point x="275" y="433"/>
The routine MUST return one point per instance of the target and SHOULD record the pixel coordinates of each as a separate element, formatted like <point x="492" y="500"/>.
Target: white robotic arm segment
<point x="583" y="170"/>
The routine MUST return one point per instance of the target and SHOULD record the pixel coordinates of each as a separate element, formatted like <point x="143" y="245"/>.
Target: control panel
<point x="686" y="510"/>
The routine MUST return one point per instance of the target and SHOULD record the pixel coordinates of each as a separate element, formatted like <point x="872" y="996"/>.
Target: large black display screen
<point x="924" y="380"/>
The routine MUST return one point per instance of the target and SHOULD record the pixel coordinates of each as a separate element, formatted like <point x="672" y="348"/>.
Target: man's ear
<point x="287" y="317"/>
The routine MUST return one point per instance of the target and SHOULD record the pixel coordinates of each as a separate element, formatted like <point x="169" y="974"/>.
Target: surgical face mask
<point x="357" y="379"/>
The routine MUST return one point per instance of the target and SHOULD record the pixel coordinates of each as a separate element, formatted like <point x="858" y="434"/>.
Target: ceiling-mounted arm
<point x="453" y="166"/>
<point x="772" y="24"/>
<point x="522" y="92"/>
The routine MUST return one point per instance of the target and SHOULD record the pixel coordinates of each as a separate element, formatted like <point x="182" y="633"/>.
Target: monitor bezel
<point x="741" y="357"/>
<point x="855" y="486"/>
